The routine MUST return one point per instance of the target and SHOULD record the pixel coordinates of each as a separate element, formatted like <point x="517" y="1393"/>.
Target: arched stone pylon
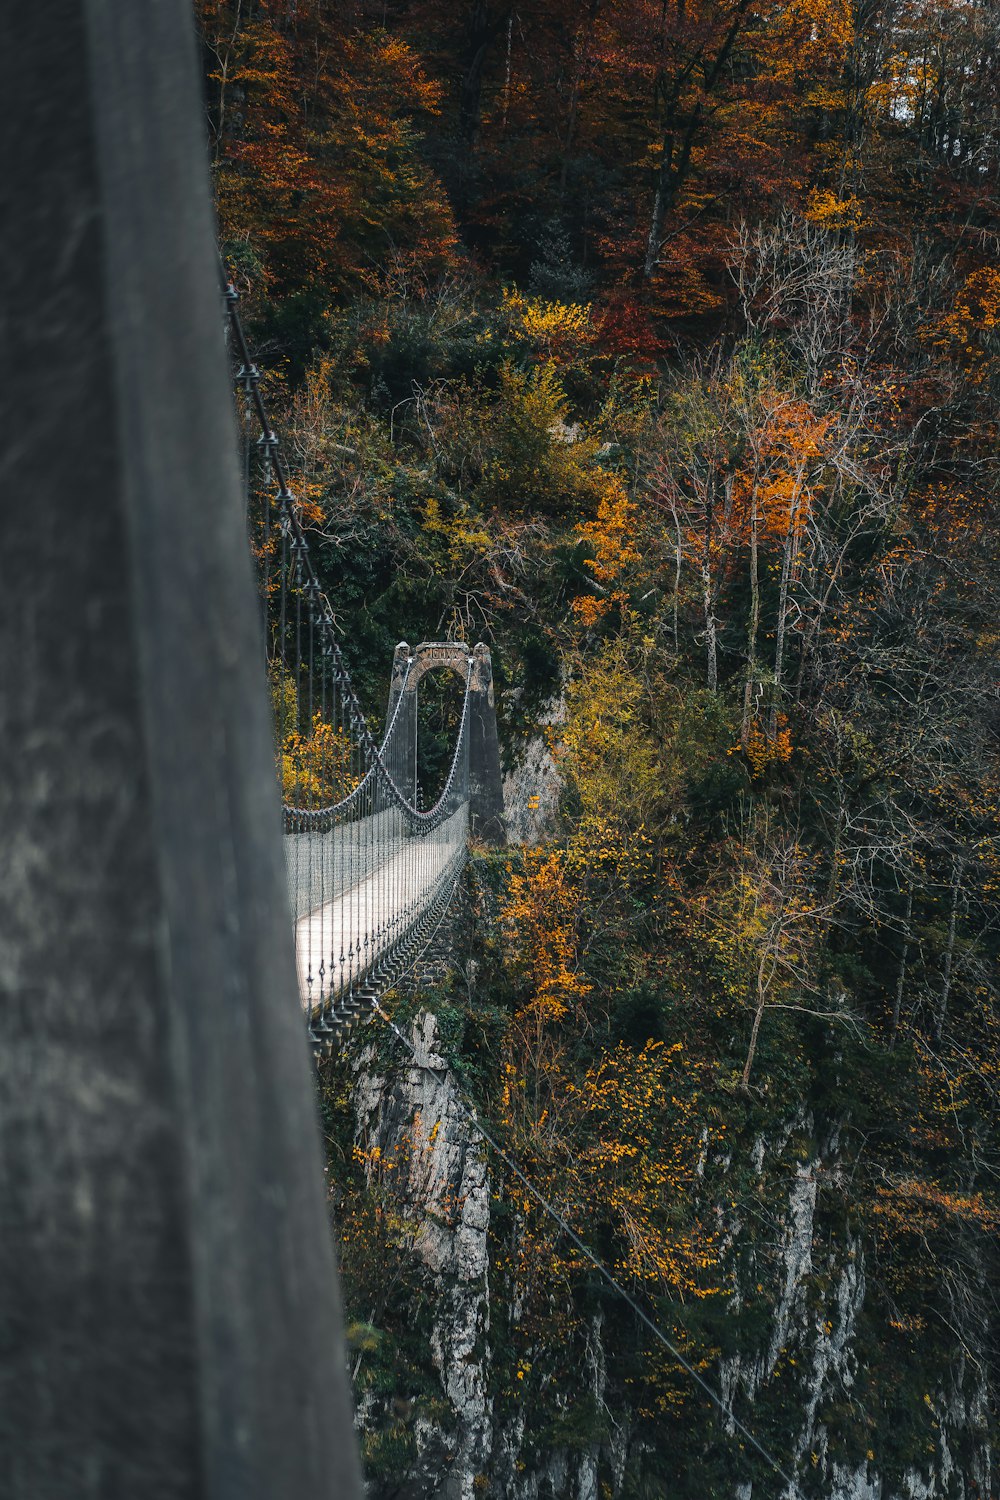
<point x="409" y="666"/>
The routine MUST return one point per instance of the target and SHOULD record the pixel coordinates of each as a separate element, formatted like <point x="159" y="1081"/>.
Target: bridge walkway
<point x="354" y="897"/>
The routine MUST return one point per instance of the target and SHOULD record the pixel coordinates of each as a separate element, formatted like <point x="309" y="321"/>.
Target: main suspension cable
<point x="305" y="578"/>
<point x="365" y="859"/>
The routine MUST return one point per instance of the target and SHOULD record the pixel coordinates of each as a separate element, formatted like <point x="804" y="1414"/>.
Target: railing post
<point x="168" y="1308"/>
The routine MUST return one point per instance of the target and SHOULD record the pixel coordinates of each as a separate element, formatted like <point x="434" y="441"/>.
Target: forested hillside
<point x="656" y="343"/>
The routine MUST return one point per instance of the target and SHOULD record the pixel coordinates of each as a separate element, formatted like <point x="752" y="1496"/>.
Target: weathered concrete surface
<point x="168" y="1315"/>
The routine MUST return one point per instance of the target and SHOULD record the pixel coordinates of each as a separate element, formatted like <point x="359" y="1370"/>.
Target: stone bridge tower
<point x="475" y="667"/>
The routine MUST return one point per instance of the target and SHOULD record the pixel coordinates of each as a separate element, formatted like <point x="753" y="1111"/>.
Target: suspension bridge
<point x="371" y="870"/>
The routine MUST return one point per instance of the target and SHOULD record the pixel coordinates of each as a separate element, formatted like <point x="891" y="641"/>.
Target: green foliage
<point x="760" y="573"/>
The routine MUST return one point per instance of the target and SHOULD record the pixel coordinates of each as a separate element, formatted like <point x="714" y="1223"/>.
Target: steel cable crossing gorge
<point x="370" y="871"/>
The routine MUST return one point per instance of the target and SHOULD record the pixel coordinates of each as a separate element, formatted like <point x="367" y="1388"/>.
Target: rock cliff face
<point x="532" y="785"/>
<point x="416" y="1114"/>
<point x="813" y="1335"/>
<point x="816" y="1324"/>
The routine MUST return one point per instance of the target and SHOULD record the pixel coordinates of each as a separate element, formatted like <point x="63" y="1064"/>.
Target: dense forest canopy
<point x="656" y="343"/>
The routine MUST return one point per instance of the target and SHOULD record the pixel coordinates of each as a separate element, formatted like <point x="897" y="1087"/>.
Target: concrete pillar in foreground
<point x="169" y="1323"/>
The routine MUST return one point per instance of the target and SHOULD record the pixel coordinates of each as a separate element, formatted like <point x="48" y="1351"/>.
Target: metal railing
<point x="366" y="864"/>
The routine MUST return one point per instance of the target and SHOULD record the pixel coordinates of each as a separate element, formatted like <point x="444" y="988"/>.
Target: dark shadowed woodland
<point x="656" y="343"/>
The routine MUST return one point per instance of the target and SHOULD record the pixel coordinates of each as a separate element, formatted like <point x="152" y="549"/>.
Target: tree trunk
<point x="904" y="956"/>
<point x="481" y="30"/>
<point x="669" y="179"/>
<point x="574" y="104"/>
<point x="815" y="627"/>
<point x="662" y="202"/>
<point x="678" y="560"/>
<point x="791" y="544"/>
<point x="506" y="76"/>
<point x="838" y="838"/>
<point x="712" y="669"/>
<point x="949" y="952"/>
<point x="583" y="59"/>
<point x="711" y="645"/>
<point x="754" y="1034"/>
<point x="672" y="173"/>
<point x="779" y="637"/>
<point x="754" y="623"/>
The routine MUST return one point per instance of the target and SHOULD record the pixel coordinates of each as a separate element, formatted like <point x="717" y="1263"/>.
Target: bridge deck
<point x="380" y="889"/>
